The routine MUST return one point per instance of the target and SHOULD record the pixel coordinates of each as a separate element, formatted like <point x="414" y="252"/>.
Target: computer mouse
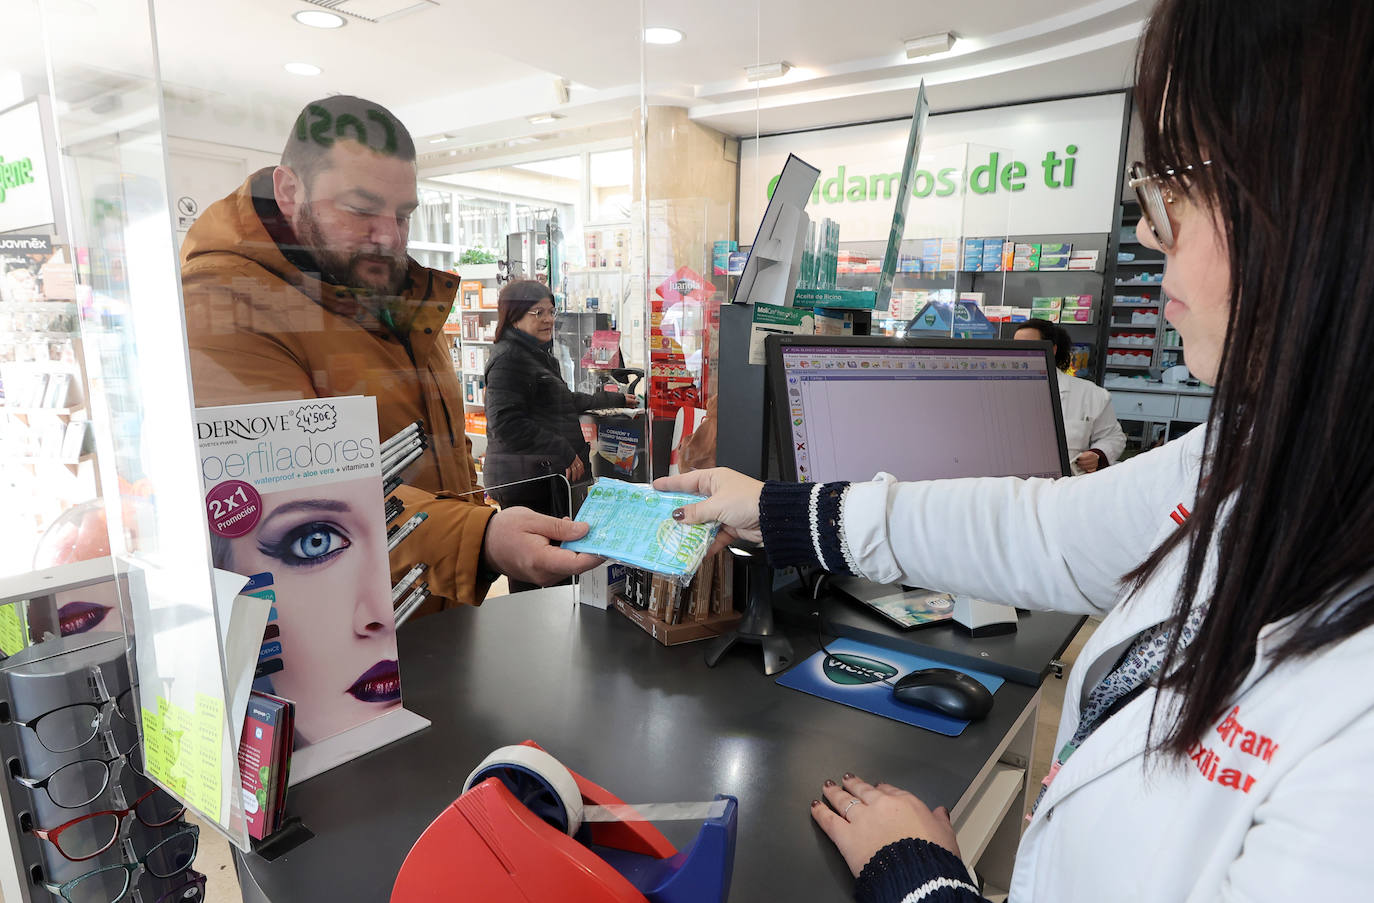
<point x="946" y="691"/>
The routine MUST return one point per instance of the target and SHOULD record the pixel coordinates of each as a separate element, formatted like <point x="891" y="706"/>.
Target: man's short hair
<point x="343" y="118"/>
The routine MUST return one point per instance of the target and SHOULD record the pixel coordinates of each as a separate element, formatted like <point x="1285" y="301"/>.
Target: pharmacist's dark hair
<point x="515" y="301"/>
<point x="1277" y="95"/>
<point x="342" y="117"/>
<point x="1053" y="333"/>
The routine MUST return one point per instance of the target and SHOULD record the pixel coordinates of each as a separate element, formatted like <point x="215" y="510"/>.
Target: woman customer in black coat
<point x="532" y="415"/>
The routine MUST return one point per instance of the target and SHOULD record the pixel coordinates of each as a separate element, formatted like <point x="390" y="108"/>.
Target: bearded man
<point x="298" y="286"/>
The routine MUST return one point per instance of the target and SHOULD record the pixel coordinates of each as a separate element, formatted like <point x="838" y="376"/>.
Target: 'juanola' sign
<point x="1040" y="168"/>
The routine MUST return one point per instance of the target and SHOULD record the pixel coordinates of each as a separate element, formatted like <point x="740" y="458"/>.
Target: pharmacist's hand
<point x="517" y="544"/>
<point x="575" y="470"/>
<point x="733" y="499"/>
<point x="882" y="815"/>
<point x="1088" y="461"/>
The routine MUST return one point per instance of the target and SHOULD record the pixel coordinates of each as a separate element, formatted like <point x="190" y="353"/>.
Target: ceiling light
<point x="440" y="139"/>
<point x="541" y="118"/>
<point x="927" y="45"/>
<point x="318" y="18"/>
<point x="658" y="34"/>
<point x="765" y="71"/>
<point x="302" y="68"/>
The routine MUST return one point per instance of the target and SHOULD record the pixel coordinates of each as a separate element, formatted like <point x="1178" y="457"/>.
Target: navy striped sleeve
<point x="915" y="871"/>
<point x="802" y="525"/>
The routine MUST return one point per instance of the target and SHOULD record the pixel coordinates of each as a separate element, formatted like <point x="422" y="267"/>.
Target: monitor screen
<point x="917" y="408"/>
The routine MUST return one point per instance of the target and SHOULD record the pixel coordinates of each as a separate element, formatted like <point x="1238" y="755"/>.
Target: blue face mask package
<point x="632" y="523"/>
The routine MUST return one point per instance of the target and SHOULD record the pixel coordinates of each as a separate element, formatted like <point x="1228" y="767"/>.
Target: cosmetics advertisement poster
<point x="293" y="494"/>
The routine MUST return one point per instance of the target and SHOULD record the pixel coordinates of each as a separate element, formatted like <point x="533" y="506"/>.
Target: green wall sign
<point x="989" y="177"/>
<point x="12" y="175"/>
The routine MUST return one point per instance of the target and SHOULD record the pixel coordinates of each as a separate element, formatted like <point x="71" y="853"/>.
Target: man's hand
<point x="862" y="819"/>
<point x="1088" y="461"/>
<point x="517" y="544"/>
<point x="575" y="470"/>
<point x="733" y="499"/>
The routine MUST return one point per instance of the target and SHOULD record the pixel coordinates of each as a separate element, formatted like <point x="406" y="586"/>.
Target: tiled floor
<point x="215" y="860"/>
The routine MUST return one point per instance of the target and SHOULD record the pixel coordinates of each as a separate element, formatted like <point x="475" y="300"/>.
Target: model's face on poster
<point x="1197" y="279"/>
<point x="322" y="546"/>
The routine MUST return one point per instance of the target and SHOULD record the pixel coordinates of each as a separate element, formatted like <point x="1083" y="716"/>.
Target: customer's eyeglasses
<point x="1155" y="195"/>
<point x="78" y="783"/>
<point x="95" y="832"/>
<point x="72" y="726"/>
<point x="542" y="313"/>
<point x="168" y="859"/>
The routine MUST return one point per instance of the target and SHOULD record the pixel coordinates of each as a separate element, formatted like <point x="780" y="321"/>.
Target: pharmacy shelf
<point x="1135" y="304"/>
<point x="1139" y="283"/>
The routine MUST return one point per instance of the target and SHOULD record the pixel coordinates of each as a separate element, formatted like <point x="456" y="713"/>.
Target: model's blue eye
<point x="308" y="544"/>
<point x="317" y="543"/>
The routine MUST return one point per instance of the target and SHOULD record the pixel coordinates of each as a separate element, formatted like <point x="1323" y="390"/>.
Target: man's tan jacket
<point x="260" y="329"/>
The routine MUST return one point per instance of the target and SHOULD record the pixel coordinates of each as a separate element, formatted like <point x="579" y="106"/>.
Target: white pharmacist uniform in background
<point x="1274" y="802"/>
<point x="1089" y="420"/>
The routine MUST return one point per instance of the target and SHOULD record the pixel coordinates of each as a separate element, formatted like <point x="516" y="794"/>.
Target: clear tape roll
<point x="544" y="766"/>
<point x="557" y="778"/>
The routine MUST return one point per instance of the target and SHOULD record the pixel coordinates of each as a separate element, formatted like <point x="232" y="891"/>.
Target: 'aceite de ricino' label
<point x="234" y="508"/>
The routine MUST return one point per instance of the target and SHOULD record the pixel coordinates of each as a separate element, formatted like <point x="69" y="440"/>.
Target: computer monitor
<point x="917" y="408"/>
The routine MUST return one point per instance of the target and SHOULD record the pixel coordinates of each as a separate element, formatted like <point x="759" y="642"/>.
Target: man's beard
<point x="345" y="268"/>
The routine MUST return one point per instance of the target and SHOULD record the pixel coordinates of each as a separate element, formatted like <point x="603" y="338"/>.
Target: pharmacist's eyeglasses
<point x="1155" y="194"/>
<point x="80" y="783"/>
<point x="168" y="859"/>
<point x="73" y="726"/>
<point x="95" y="832"/>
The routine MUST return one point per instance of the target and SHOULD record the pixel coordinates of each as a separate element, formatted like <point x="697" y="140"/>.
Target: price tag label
<point x="234" y="508"/>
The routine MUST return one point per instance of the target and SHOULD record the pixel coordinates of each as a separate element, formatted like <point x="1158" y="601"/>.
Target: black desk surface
<point x="648" y="722"/>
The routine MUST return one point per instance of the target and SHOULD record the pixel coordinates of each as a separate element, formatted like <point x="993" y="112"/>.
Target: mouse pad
<point x="852" y="674"/>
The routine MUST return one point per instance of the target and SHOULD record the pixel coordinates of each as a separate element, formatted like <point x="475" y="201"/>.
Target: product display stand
<point x="49" y="693"/>
<point x="756" y="628"/>
<point x="334" y="751"/>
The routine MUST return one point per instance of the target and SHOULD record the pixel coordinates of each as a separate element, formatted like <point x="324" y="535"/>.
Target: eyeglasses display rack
<point x="82" y="821"/>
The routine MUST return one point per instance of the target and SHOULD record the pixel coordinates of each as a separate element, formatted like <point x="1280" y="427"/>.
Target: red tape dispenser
<point x="528" y="830"/>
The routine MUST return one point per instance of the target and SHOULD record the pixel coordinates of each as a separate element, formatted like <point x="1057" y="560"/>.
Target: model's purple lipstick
<point x="380" y="683"/>
<point x="79" y="617"/>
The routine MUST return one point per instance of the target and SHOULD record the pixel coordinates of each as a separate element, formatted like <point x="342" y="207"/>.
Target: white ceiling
<point x="475" y="71"/>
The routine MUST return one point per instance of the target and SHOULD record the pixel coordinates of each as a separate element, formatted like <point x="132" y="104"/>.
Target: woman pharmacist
<point x="1091" y="430"/>
<point x="1217" y="739"/>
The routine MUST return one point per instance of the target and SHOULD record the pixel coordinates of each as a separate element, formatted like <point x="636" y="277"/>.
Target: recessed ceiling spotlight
<point x="765" y="71"/>
<point x="928" y="45"/>
<point x="318" y="18"/>
<point x="659" y="34"/>
<point x="302" y="68"/>
<point x="541" y="118"/>
<point x="440" y="139"/>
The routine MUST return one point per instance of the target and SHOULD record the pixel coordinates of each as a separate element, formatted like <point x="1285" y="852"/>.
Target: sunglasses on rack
<point x="1155" y="193"/>
<point x="70" y="727"/>
<point x="95" y="832"/>
<point x="168" y="859"/>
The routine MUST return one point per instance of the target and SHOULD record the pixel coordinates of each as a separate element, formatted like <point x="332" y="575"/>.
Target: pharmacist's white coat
<point x="1299" y="741"/>
<point x="1089" y="420"/>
